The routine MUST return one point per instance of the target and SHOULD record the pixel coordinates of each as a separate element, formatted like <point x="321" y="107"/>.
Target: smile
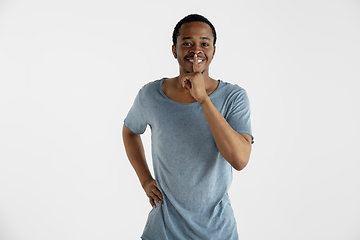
<point x="192" y="60"/>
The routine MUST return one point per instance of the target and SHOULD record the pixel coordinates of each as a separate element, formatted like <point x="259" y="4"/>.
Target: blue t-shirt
<point x="189" y="170"/>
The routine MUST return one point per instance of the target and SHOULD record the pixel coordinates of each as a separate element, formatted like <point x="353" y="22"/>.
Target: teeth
<point x="192" y="61"/>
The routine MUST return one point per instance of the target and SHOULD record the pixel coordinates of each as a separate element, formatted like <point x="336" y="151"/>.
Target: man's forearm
<point x="234" y="147"/>
<point x="136" y="155"/>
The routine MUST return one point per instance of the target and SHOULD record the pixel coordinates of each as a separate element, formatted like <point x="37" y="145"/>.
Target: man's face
<point x="195" y="38"/>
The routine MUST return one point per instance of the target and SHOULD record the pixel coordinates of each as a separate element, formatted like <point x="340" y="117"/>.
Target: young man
<point x="200" y="131"/>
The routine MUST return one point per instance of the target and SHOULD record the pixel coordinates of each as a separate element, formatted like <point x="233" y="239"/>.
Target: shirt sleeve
<point x="239" y="116"/>
<point x="135" y="119"/>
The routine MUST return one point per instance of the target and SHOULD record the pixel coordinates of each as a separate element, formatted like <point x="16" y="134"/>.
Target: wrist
<point x="145" y="182"/>
<point x="203" y="100"/>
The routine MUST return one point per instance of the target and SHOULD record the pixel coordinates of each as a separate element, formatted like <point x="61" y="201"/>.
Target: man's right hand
<point x="152" y="191"/>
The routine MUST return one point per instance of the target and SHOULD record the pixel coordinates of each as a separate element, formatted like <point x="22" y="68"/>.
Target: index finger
<point x="196" y="64"/>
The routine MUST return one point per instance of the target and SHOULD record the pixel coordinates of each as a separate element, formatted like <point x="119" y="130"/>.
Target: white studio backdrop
<point x="69" y="72"/>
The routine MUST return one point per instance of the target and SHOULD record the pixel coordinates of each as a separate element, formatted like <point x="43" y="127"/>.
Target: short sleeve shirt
<point x="190" y="172"/>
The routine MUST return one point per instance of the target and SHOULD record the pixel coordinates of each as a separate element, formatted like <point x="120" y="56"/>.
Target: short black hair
<point x="192" y="18"/>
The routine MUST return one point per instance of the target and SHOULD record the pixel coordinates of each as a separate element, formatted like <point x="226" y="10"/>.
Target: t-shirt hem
<point x="131" y="129"/>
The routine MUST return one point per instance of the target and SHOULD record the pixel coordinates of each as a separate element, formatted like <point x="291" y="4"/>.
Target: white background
<point x="70" y="69"/>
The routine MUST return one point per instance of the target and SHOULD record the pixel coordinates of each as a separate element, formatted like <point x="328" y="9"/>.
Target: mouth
<point x="192" y="60"/>
<point x="200" y="61"/>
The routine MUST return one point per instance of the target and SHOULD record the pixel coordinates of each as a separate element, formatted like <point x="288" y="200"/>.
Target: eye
<point x="186" y="44"/>
<point x="205" y="44"/>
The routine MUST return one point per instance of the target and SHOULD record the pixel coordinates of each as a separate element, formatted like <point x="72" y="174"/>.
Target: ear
<point x="214" y="52"/>
<point x="174" y="51"/>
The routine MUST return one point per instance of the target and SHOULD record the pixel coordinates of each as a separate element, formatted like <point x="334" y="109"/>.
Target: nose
<point x="196" y="50"/>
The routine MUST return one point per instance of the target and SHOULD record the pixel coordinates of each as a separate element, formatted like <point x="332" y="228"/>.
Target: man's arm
<point x="136" y="154"/>
<point x="233" y="146"/>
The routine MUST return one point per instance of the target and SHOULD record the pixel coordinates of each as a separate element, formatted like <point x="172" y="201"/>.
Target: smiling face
<point x="194" y="38"/>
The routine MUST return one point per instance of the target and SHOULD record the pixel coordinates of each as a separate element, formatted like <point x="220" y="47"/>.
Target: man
<point x="200" y="131"/>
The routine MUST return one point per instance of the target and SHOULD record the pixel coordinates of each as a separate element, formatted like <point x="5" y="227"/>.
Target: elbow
<point x="238" y="156"/>
<point x="240" y="160"/>
<point x="240" y="164"/>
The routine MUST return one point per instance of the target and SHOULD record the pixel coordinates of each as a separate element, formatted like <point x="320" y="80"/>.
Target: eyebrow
<point x="205" y="38"/>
